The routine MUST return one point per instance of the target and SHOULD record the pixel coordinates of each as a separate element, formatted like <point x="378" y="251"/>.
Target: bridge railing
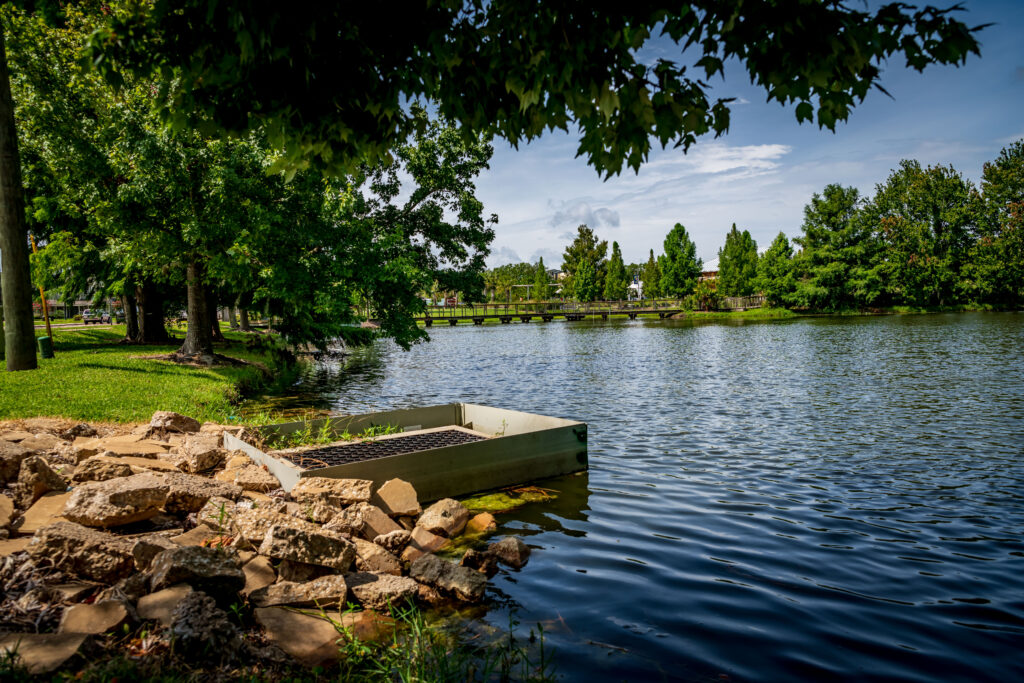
<point x="523" y="308"/>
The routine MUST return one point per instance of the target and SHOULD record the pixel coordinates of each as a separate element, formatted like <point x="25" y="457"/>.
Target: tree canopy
<point x="329" y="83"/>
<point x="585" y="249"/>
<point x="737" y="264"/>
<point x="680" y="266"/>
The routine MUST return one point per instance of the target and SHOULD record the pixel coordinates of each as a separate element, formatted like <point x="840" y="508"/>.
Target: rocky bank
<point x="161" y="532"/>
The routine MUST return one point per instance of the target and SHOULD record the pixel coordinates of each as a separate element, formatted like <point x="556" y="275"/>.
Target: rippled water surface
<point x="816" y="498"/>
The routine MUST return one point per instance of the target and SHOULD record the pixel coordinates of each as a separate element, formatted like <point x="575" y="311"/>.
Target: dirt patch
<point x="202" y="360"/>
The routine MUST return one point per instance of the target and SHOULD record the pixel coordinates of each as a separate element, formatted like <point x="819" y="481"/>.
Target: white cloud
<point x="501" y="256"/>
<point x="579" y="211"/>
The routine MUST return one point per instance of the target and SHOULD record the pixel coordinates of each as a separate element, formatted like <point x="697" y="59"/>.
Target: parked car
<point x="98" y="317"/>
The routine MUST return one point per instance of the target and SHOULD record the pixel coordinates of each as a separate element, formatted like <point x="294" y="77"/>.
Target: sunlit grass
<point x="94" y="377"/>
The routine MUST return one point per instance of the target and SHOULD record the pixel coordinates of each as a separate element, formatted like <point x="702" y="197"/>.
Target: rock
<point x="148" y="547"/>
<point x="80" y="429"/>
<point x="36" y="478"/>
<point x="465" y="583"/>
<point x="186" y="493"/>
<point x="100" y="468"/>
<point x="397" y="498"/>
<point x="483" y="562"/>
<point x="44" y="512"/>
<point x="422" y="542"/>
<point x="11" y="455"/>
<point x="258" y="573"/>
<point x="255" y="478"/>
<point x="165" y="422"/>
<point x="247" y="523"/>
<point x="50" y="425"/>
<point x="85" y="552"/>
<point x="6" y="512"/>
<point x="483" y="523"/>
<point x="202" y="452"/>
<point x="14" y="545"/>
<point x="370" y="557"/>
<point x="378" y="591"/>
<point x="428" y="596"/>
<point x="160" y="606"/>
<point x="117" y="501"/>
<point x="213" y="570"/>
<point x="510" y="551"/>
<point x="311" y="640"/>
<point x="298" y="572"/>
<point x="328" y="591"/>
<point x="312" y="547"/>
<point x="198" y="536"/>
<point x="201" y="629"/>
<point x="41" y="653"/>
<point x="41" y="443"/>
<point x="99" y="617"/>
<point x="74" y="591"/>
<point x="333" y="492"/>
<point x="394" y="541"/>
<point x="15" y="436"/>
<point x="363" y="519"/>
<point x="447" y="517"/>
<point x="367" y="625"/>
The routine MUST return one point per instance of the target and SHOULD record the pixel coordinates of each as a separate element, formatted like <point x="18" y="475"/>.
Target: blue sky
<point x="762" y="173"/>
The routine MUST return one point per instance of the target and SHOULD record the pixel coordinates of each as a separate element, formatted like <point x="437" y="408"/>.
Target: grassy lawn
<point x="95" y="378"/>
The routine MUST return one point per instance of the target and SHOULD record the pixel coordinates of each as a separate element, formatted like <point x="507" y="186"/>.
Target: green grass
<point x="92" y="377"/>
<point x="751" y="314"/>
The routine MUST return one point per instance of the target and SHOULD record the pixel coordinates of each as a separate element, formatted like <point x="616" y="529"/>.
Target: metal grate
<point x="371" y="450"/>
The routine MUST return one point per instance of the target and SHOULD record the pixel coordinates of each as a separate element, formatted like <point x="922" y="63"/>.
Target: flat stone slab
<point x="379" y="591"/>
<point x="397" y="498"/>
<point x="16" y="435"/>
<point x="82" y="551"/>
<point x="327" y="591"/>
<point x="42" y="653"/>
<point x="258" y="573"/>
<point x="422" y="542"/>
<point x="160" y="606"/>
<point x="336" y="492"/>
<point x="311" y="547"/>
<point x="41" y="443"/>
<point x="313" y="641"/>
<point x="44" y="512"/>
<point x="447" y="517"/>
<point x="14" y="545"/>
<point x="363" y="519"/>
<point x="100" y="617"/>
<point x="6" y="511"/>
<point x="115" y="502"/>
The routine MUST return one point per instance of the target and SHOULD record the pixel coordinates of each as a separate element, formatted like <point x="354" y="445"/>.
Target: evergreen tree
<point x="615" y="284"/>
<point x="737" y="264"/>
<point x="775" y="272"/>
<point x="680" y="266"/>
<point x="996" y="264"/>
<point x="584" y="283"/>
<point x="541" y="289"/>
<point x="585" y="249"/>
<point x="652" y="278"/>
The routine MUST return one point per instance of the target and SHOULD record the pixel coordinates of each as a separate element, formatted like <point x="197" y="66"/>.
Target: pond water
<point x="815" y="498"/>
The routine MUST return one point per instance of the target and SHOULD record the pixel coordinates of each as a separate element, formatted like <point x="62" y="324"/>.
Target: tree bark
<point x="151" y="321"/>
<point x="232" y="318"/>
<point x="131" y="318"/>
<point x="19" y="328"/>
<point x="198" y="337"/>
<point x="211" y="308"/>
<point x="244" y="300"/>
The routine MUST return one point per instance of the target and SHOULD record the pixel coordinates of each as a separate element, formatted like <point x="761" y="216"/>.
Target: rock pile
<point x="162" y="525"/>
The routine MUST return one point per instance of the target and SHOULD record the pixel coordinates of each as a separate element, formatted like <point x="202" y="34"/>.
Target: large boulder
<point x="11" y="455"/>
<point x="311" y="547"/>
<point x="362" y="519"/>
<point x="379" y="591"/>
<point x="333" y="492"/>
<point x="447" y="517"/>
<point x="84" y="552"/>
<point x="328" y="591"/>
<point x="371" y="557"/>
<point x="462" y="582"/>
<point x="36" y="478"/>
<point x="216" y="571"/>
<point x="100" y="468"/>
<point x="201" y="630"/>
<point x="165" y="422"/>
<point x="201" y="452"/>
<point x="117" y="501"/>
<point x="251" y="524"/>
<point x="510" y="551"/>
<point x="397" y="498"/>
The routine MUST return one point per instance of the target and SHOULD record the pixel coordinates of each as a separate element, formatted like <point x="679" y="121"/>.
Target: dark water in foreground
<point x="821" y="498"/>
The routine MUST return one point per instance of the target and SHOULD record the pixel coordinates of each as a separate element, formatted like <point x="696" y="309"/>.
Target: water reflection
<point x="814" y="498"/>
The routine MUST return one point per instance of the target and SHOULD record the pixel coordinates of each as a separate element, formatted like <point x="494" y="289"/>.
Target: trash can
<point x="45" y="347"/>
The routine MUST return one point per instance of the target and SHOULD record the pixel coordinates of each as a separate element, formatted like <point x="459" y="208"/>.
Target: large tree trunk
<point x="232" y="318"/>
<point x="131" y="318"/>
<point x="151" y="321"/>
<point x="211" y="309"/>
<point x="198" y="337"/>
<point x="19" y="328"/>
<point x="243" y="303"/>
